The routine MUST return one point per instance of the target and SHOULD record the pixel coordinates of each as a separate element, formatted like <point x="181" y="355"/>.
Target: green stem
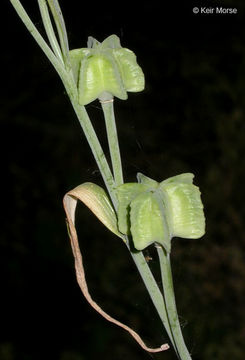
<point x="167" y="282"/>
<point x="111" y="129"/>
<point x="49" y="29"/>
<point x="61" y="29"/>
<point x="153" y="290"/>
<point x="65" y="73"/>
<point x="68" y="81"/>
<point x="95" y="148"/>
<point x="39" y="39"/>
<point x="138" y="257"/>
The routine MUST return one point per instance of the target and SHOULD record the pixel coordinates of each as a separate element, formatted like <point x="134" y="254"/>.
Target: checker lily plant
<point x="144" y="213"/>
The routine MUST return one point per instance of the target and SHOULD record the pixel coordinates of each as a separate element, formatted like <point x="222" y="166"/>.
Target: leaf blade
<point x="96" y="199"/>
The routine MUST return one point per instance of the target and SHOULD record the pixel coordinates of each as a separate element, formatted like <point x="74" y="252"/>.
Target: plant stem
<point x="167" y="282"/>
<point x="95" y="148"/>
<point x="111" y="129"/>
<point x="61" y="29"/>
<point x="49" y="29"/>
<point x="153" y="290"/>
<point x="39" y="39"/>
<point x="138" y="257"/>
<point x="165" y="307"/>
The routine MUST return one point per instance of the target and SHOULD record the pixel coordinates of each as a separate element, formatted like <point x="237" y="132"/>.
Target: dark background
<point x="189" y="118"/>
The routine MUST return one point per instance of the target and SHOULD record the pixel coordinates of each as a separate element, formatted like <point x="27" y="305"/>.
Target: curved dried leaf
<point x="70" y="203"/>
<point x="96" y="199"/>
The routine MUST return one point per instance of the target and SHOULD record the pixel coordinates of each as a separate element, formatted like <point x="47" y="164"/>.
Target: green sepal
<point x="148" y="223"/>
<point x="143" y="179"/>
<point x="125" y="194"/>
<point x="93" y="43"/>
<point x="111" y="42"/>
<point x="182" y="178"/>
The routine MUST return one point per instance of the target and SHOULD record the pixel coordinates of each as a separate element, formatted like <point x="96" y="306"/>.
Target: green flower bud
<point x="104" y="70"/>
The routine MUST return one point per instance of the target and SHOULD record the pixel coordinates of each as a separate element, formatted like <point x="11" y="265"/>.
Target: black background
<point x="190" y="118"/>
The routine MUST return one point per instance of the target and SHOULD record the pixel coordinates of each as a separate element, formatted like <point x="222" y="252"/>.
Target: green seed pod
<point x="156" y="212"/>
<point x="184" y="210"/>
<point x="76" y="56"/>
<point x="148" y="222"/>
<point x="98" y="75"/>
<point x="132" y="75"/>
<point x="104" y="70"/>
<point x="125" y="194"/>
